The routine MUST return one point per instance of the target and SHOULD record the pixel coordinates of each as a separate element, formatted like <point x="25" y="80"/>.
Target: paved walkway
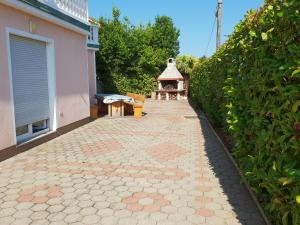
<point x="164" y="169"/>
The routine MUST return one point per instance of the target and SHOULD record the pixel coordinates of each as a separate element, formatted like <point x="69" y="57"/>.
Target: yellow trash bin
<point x="138" y="112"/>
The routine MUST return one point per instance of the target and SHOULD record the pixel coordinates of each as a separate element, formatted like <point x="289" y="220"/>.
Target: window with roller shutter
<point x="30" y="86"/>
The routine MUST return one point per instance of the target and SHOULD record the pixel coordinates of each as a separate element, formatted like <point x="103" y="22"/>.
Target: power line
<point x="211" y="34"/>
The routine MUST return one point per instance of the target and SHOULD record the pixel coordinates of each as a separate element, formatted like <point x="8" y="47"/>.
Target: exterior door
<point x="30" y="86"/>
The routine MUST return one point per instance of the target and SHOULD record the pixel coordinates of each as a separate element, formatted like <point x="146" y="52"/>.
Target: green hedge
<point x="251" y="88"/>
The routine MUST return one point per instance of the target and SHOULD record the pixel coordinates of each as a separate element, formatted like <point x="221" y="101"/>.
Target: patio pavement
<point x="163" y="169"/>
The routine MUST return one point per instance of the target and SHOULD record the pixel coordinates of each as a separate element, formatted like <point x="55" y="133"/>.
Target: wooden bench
<point x="138" y="104"/>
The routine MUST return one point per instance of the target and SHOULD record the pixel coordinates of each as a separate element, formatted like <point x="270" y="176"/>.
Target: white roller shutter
<point x="30" y="80"/>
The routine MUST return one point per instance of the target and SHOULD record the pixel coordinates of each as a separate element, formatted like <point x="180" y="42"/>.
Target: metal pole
<point x="219" y="20"/>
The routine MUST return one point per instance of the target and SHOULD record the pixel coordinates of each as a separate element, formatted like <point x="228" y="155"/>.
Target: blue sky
<point x="194" y="18"/>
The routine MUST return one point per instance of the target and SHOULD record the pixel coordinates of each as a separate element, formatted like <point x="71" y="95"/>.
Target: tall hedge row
<point x="251" y="88"/>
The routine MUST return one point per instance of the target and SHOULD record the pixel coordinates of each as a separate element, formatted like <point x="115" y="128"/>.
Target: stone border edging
<point x="238" y="170"/>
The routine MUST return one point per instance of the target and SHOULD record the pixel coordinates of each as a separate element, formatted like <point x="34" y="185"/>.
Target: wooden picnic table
<point x="115" y="103"/>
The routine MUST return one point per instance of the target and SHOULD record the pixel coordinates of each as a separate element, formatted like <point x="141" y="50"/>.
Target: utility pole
<point x="219" y="22"/>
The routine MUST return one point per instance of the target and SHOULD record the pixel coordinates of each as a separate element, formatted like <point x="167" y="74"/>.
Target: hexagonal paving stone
<point x="146" y="201"/>
<point x="163" y="169"/>
<point x="166" y="151"/>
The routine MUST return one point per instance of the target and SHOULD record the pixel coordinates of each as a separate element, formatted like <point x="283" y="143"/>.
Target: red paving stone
<point x="158" y="199"/>
<point x="203" y="199"/>
<point x="29" y="194"/>
<point x="102" y="147"/>
<point x="139" y="133"/>
<point x="166" y="151"/>
<point x="107" y="170"/>
<point x="205" y="212"/>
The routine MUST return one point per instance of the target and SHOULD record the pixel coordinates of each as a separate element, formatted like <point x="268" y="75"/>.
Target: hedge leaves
<point x="251" y="88"/>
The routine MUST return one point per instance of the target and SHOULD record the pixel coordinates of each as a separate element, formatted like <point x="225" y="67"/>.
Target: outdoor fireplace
<point x="171" y="83"/>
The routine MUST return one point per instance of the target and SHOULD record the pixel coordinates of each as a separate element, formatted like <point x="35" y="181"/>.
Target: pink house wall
<point x="71" y="67"/>
<point x="92" y="76"/>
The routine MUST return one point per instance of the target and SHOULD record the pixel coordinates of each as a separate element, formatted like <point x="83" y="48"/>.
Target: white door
<point x="30" y="86"/>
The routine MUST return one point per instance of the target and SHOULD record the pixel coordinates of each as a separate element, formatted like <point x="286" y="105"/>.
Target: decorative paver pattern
<point x="166" y="168"/>
<point x="101" y="148"/>
<point x="147" y="202"/>
<point x="39" y="194"/>
<point x="165" y="151"/>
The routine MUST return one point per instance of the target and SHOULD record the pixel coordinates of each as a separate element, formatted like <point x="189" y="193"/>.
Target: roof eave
<point x="170" y="79"/>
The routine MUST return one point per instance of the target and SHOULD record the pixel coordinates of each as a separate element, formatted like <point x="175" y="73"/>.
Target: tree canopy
<point x="131" y="57"/>
<point x="186" y="63"/>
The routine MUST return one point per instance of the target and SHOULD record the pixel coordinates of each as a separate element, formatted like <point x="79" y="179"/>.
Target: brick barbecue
<point x="171" y="83"/>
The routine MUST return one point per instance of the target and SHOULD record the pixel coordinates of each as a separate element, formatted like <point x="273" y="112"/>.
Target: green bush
<point x="251" y="88"/>
<point x="130" y="58"/>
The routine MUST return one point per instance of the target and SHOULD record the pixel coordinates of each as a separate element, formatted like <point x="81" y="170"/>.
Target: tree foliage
<point x="251" y="87"/>
<point x="186" y="63"/>
<point x="131" y="57"/>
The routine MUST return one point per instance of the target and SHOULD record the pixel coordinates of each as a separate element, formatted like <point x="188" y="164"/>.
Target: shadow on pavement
<point x="229" y="179"/>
